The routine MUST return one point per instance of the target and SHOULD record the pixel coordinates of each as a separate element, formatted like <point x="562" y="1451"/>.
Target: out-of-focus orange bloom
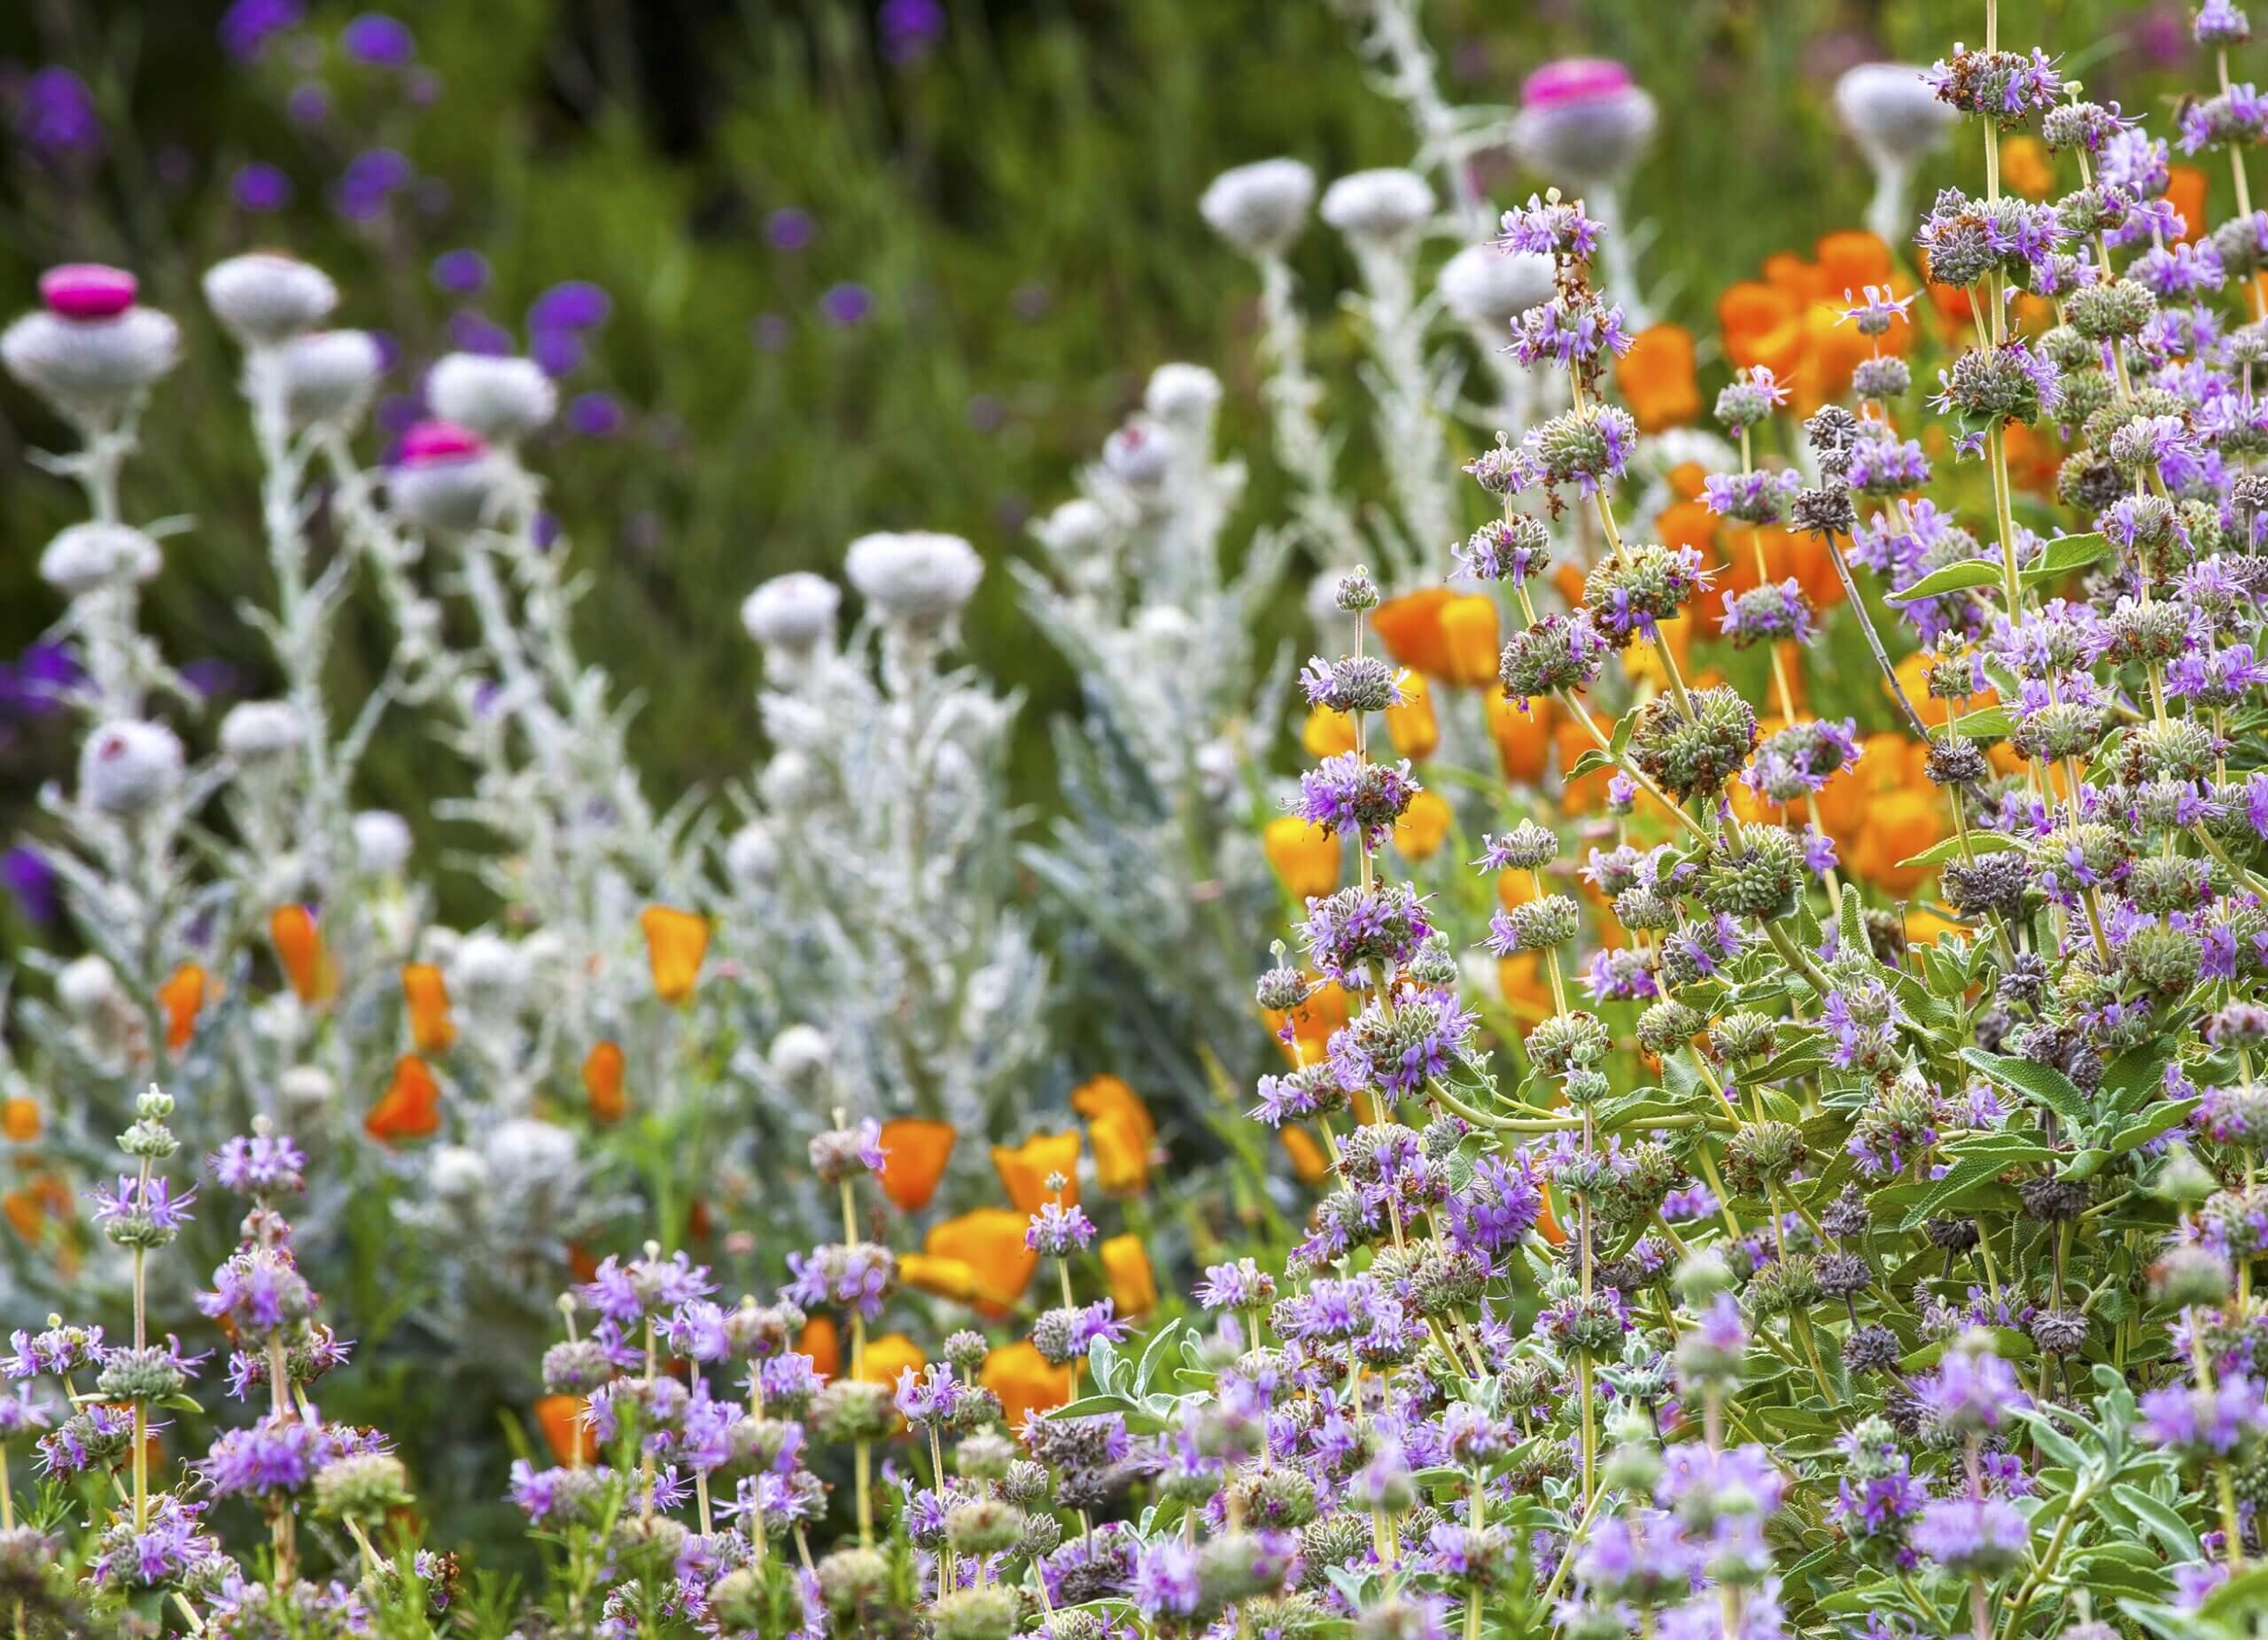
<point x="1761" y="325"/>
<point x="560" y="1419"/>
<point x="181" y="997"/>
<point x="1956" y="314"/>
<point x="1687" y="480"/>
<point x="990" y="1241"/>
<point x="603" y="1088"/>
<point x="1107" y="1095"/>
<point x="1689" y="524"/>
<point x="1923" y="926"/>
<point x="1305" y="855"/>
<point x="305" y="960"/>
<point x="1833" y="351"/>
<point x="2033" y="458"/>
<point x="822" y="1341"/>
<point x="1657" y="378"/>
<point x="1885" y="766"/>
<point x="1026" y="1384"/>
<point x="1526" y="989"/>
<point x="411" y="1106"/>
<point x="1126" y="1270"/>
<point x="31" y="1205"/>
<point x="1412" y="726"/>
<point x="1802" y="282"/>
<point x="1851" y="258"/>
<point x="1567" y="581"/>
<point x="2186" y="189"/>
<point x="889" y="1356"/>
<point x="940" y="1277"/>
<point x="1469" y="638"/>
<point x="1025" y="1170"/>
<point x="1587" y="794"/>
<point x="1913" y="678"/>
<point x="1328" y="733"/>
<point x="1423" y="825"/>
<point x="1523" y="738"/>
<point x="1122" y="1154"/>
<point x="1312" y="1022"/>
<point x="1548" y="1222"/>
<point x="915" y="1150"/>
<point x="1515" y="888"/>
<point x="431" y="1031"/>
<point x="676" y="941"/>
<point x="2025" y="167"/>
<point x="1308" y="1163"/>
<point x="19" y="1120"/>
<point x="1410" y="626"/>
<point x="1899" y="825"/>
<point x="1643" y="658"/>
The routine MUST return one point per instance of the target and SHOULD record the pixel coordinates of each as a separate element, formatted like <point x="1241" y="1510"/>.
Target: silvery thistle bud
<point x="752" y="855"/>
<point x="87" y="558"/>
<point x="502" y="399"/>
<point x="443" y="478"/>
<point x="382" y="842"/>
<point x="1487" y="288"/>
<point x="91" y="352"/>
<point x="792" y="616"/>
<point x="1896" y="119"/>
<point x="1584" y="123"/>
<point x="801" y="1056"/>
<point x="1260" y="208"/>
<point x="918" y="580"/>
<point x="263" y="298"/>
<point x="260" y="734"/>
<point x="1185" y="397"/>
<point x="326" y="377"/>
<point x="1381" y="209"/>
<point x="128" y="767"/>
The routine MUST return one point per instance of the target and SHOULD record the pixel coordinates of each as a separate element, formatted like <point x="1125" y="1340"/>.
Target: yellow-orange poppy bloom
<point x="1025" y="1170"/>
<point x="19" y="1120"/>
<point x="914" y="1154"/>
<point x="1308" y="1162"/>
<point x="1122" y="1153"/>
<point x="1899" y="825"/>
<point x="1099" y="1096"/>
<point x="990" y="1241"/>
<point x="1526" y="989"/>
<point x="822" y="1341"/>
<point x="560" y="1419"/>
<point x="1411" y="627"/>
<point x="1657" y="378"/>
<point x="1026" y="1384"/>
<point x="411" y="1106"/>
<point x="2184" y="188"/>
<point x="602" y="1069"/>
<point x="1761" y="325"/>
<point x="676" y="941"/>
<point x="1851" y="258"/>
<point x="1470" y="639"/>
<point x="1305" y="855"/>
<point x="1312" y="1022"/>
<point x="426" y="995"/>
<point x="1423" y="825"/>
<point x="1328" y="733"/>
<point x="1415" y="730"/>
<point x="2025" y="167"/>
<point x="889" y="1356"/>
<point x="940" y="1277"/>
<point x="1523" y="738"/>
<point x="299" y="948"/>
<point x="182" y="998"/>
<point x="1126" y="1268"/>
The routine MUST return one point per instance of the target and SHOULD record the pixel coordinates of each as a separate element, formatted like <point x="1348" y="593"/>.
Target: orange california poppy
<point x="2025" y="167"/>
<point x="1526" y="989"/>
<point x="1760" y="325"/>
<point x="411" y="1106"/>
<point x="822" y="1341"/>
<point x="1469" y="638"/>
<point x="19" y="1120"/>
<point x="1899" y="825"/>
<point x="1305" y="855"/>
<point x="675" y="943"/>
<point x="1126" y="1268"/>
<point x="1025" y="1170"/>
<point x="1799" y="281"/>
<point x="181" y="997"/>
<point x="889" y="1356"/>
<point x="1585" y="794"/>
<point x="602" y="1081"/>
<point x="431" y="1031"/>
<point x="1328" y="733"/>
<point x="940" y="1277"/>
<point x="1687" y="480"/>
<point x="1308" y="1162"/>
<point x="32" y="1205"/>
<point x="1415" y="730"/>
<point x="1100" y="1095"/>
<point x="1314" y="1021"/>
<point x="990" y="1241"/>
<point x="1423" y="825"/>
<point x="1548" y="1222"/>
<point x="1523" y="739"/>
<point x="1851" y="258"/>
<point x="1026" y="1384"/>
<point x="914" y="1154"/>
<point x="2184" y="188"/>
<point x="299" y="948"/>
<point x="1122" y="1153"/>
<point x="1411" y="627"/>
<point x="1657" y="378"/>
<point x="560" y="1419"/>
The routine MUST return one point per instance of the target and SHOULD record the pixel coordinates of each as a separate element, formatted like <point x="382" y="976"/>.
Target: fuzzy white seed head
<point x="1260" y="208"/>
<point x="502" y="399"/>
<point x="128" y="766"/>
<point x="263" y="298"/>
<point x="87" y="558"/>
<point x="918" y="580"/>
<point x="90" y="369"/>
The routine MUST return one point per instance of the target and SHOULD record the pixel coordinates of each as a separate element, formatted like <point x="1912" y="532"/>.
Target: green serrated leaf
<point x="1949" y="848"/>
<point x="2043" y="1084"/>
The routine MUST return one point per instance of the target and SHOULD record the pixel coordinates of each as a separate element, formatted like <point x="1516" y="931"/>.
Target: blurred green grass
<point x="1019" y="205"/>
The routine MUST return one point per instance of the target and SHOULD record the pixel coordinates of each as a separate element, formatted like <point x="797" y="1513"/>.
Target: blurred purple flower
<point x="248" y="25"/>
<point x="369" y="179"/>
<point x="910" y="29"/>
<point x="309" y="104"/>
<point x="259" y="186"/>
<point x="55" y="111"/>
<point x="847" y="304"/>
<point x="472" y="331"/>
<point x="33" y="685"/>
<point x="389" y="351"/>
<point x="397" y="412"/>
<point x="544" y="528"/>
<point x="211" y="677"/>
<point x="576" y="305"/>
<point x="790" y="230"/>
<point x="28" y="875"/>
<point x="459" y="273"/>
<point x="556" y="353"/>
<point x="381" y="41"/>
<point x="486" y="695"/>
<point x="422" y="87"/>
<point x="595" y="415"/>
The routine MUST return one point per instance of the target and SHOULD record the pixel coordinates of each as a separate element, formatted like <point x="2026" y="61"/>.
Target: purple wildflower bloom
<point x="248" y="25"/>
<point x="846" y="303"/>
<point x="259" y="1164"/>
<point x="259" y="187"/>
<point x="55" y="114"/>
<point x="380" y="41"/>
<point x="1979" y="1537"/>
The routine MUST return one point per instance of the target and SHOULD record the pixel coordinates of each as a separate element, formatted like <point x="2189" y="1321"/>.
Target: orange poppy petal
<point x="915" y="1151"/>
